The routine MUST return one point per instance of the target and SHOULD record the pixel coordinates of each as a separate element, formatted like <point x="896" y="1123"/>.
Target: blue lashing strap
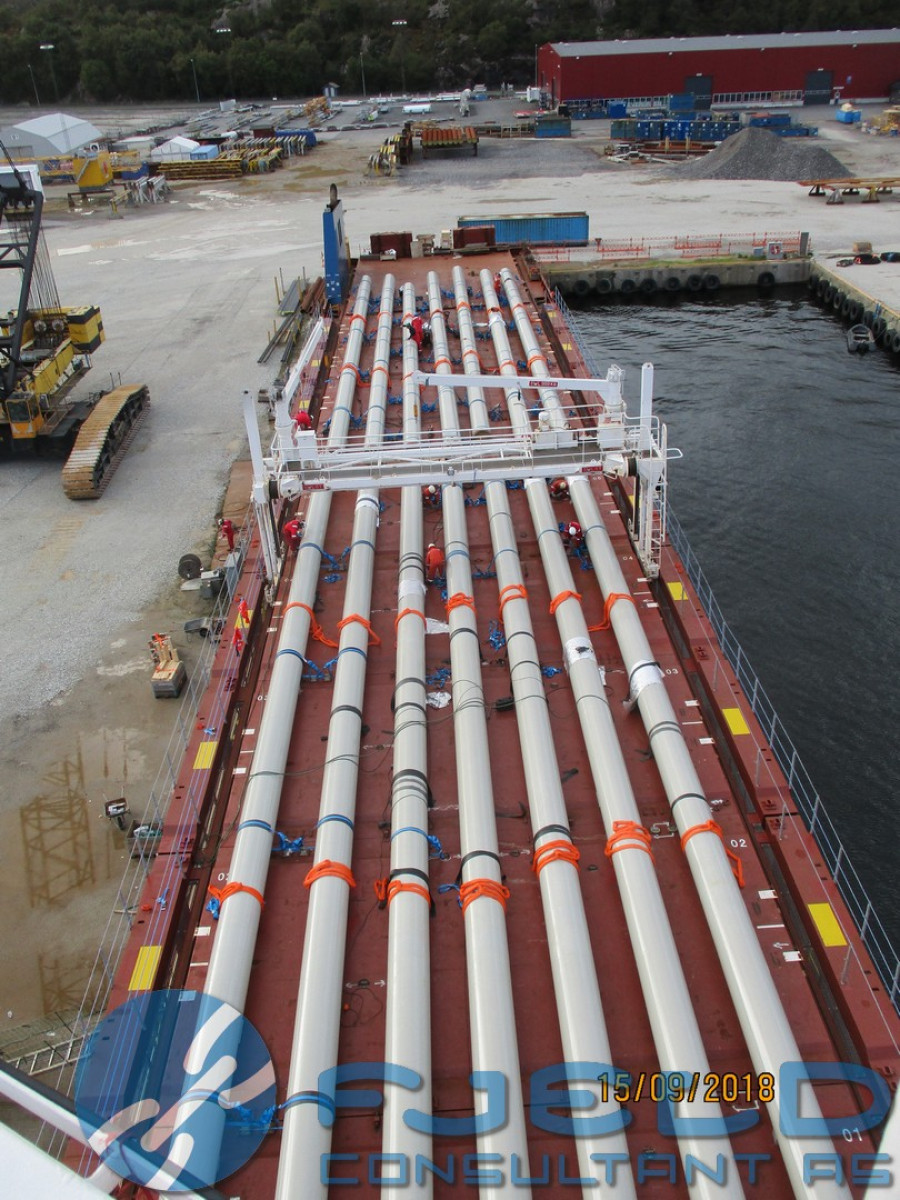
<point x="439" y="677"/>
<point x="333" y="578"/>
<point x="214" y="907"/>
<point x="253" y="823"/>
<point x="334" y="817"/>
<point x="549" y="672"/>
<point x="434" y="842"/>
<point x="242" y="1117"/>
<point x="496" y="414"/>
<point x="480" y="499"/>
<point x="450" y="887"/>
<point x="285" y="845"/>
<point x="429" y="408"/>
<point x="496" y="636"/>
<point x="314" y="672"/>
<point x="514" y="485"/>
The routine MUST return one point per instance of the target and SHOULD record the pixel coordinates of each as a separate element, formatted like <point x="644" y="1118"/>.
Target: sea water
<point x="788" y="493"/>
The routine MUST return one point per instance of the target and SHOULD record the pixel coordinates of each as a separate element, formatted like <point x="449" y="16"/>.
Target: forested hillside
<point x="153" y="50"/>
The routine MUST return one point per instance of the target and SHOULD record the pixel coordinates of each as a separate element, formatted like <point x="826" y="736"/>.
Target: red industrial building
<point x="807" y="68"/>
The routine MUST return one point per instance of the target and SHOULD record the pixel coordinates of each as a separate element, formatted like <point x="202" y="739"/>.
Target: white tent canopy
<point x="176" y="149"/>
<point x="49" y="136"/>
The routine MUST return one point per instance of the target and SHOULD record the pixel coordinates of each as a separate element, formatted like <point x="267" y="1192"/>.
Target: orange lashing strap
<point x="535" y="356"/>
<point x="460" y="600"/>
<point x="737" y="867"/>
<point x="628" y="831"/>
<point x="317" y="630"/>
<point x="327" y="867"/>
<point x="443" y="359"/>
<point x="483" y="887"/>
<point x="380" y="367"/>
<point x="553" y="852"/>
<point x="607" y="610"/>
<point x="408" y="612"/>
<point x="221" y="894"/>
<point x="354" y="370"/>
<point x="374" y="638"/>
<point x="387" y="889"/>
<point x="512" y="591"/>
<point x="557" y="600"/>
<point x="358" y="317"/>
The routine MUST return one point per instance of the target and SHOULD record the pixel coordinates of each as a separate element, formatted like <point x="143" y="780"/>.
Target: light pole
<point x="34" y="85"/>
<point x="362" y="71"/>
<point x="50" y="46"/>
<point x="196" y="84"/>
<point x="400" y="25"/>
<point x="227" y="29"/>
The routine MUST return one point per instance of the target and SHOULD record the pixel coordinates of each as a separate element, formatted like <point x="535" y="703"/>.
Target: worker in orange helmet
<point x="431" y="495"/>
<point x="226" y="529"/>
<point x="237" y="640"/>
<point x="243" y="611"/>
<point x="434" y="562"/>
<point x="303" y="420"/>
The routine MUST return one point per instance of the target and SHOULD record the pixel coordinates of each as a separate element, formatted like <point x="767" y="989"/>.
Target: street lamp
<point x="227" y="29"/>
<point x="362" y="71"/>
<point x="401" y="25"/>
<point x="34" y="85"/>
<point x="196" y="84"/>
<point x="51" y="47"/>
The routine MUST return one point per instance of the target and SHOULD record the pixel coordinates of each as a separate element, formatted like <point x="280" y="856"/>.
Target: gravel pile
<point x="756" y="153"/>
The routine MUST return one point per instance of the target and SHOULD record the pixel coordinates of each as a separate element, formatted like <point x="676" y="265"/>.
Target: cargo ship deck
<point x="517" y="817"/>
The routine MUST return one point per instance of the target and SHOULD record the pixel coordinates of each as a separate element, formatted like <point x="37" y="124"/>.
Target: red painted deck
<point x="779" y="860"/>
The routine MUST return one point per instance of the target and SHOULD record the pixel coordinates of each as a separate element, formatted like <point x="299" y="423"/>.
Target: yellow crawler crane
<point x="45" y="348"/>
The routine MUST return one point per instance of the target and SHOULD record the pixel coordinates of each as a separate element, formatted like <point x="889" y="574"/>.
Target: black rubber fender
<point x="672" y="284"/>
<point x="895" y="341"/>
<point x="581" y="288"/>
<point x="846" y="303"/>
<point x="868" y="318"/>
<point x="822" y="288"/>
<point x="604" y="285"/>
<point x="837" y="299"/>
<point x="695" y="283"/>
<point x="189" y="566"/>
<point x="711" y="283"/>
<point x="647" y="286"/>
<point x="854" y="310"/>
<point x="879" y="325"/>
<point x="766" y="280"/>
<point x="627" y="286"/>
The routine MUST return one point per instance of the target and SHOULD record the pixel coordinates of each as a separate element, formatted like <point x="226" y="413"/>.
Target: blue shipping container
<point x="535" y="229"/>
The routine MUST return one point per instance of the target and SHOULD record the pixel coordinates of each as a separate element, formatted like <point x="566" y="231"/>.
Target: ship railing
<point x="119" y="925"/>
<point x="685" y="246"/>
<point x="801" y="788"/>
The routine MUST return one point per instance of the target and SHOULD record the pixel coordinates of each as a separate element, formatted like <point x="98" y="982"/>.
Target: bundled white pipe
<point x="676" y="1033"/>
<point x="231" y="957"/>
<point x="515" y="401"/>
<point x="491" y="1013"/>
<point x="768" y="1034"/>
<point x="305" y="1137"/>
<point x="471" y="363"/>
<point x="442" y="363"/>
<point x="537" y="363"/>
<point x="408" y="999"/>
<point x="581" y="1020"/>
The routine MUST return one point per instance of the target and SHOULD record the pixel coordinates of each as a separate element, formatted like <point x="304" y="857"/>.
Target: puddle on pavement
<point x="62" y="861"/>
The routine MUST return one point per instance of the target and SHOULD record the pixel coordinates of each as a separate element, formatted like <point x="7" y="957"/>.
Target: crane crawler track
<point x="103" y="440"/>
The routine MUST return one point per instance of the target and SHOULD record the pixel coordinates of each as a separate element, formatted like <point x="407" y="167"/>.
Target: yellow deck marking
<point x="677" y="590"/>
<point x="827" y="924"/>
<point x="144" y="969"/>
<point x="205" y="755"/>
<point x="735" y="719"/>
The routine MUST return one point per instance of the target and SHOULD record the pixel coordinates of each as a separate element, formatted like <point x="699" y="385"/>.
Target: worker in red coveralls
<point x="304" y="420"/>
<point x="431" y="496"/>
<point x="237" y="640"/>
<point x="572" y="535"/>
<point x="226" y="529"/>
<point x="434" y="562"/>
<point x="293" y="532"/>
<point x="559" y="489"/>
<point x="416" y="328"/>
<point x="243" y="612"/>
